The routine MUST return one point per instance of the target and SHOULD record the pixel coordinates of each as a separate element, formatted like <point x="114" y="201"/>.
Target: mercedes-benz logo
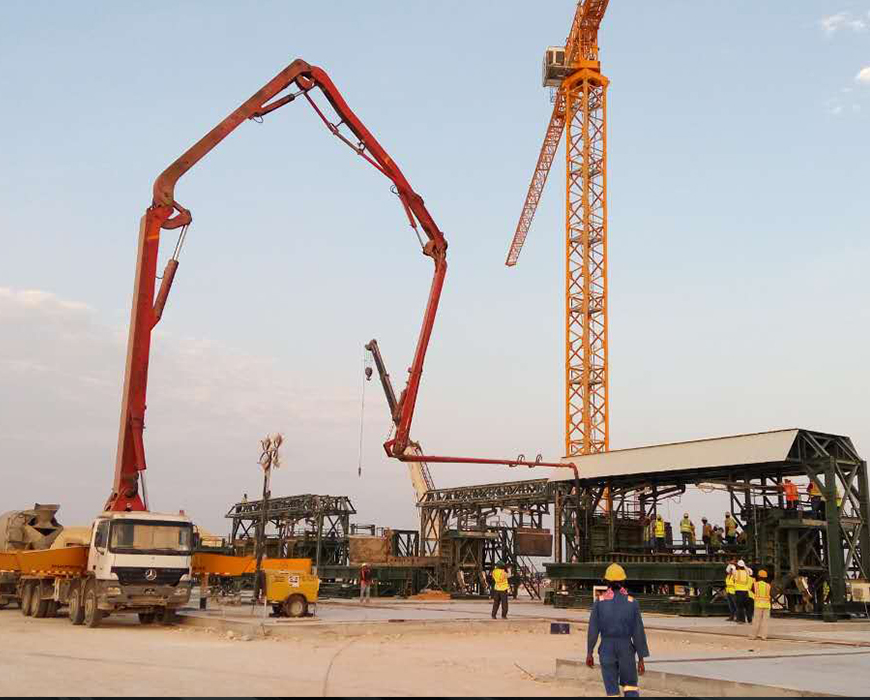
<point x="151" y="575"/>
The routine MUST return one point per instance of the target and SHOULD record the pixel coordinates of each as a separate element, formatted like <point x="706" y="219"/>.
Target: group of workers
<point x="817" y="498"/>
<point x="616" y="619"/>
<point x="748" y="598"/>
<point x="718" y="537"/>
<point x="713" y="537"/>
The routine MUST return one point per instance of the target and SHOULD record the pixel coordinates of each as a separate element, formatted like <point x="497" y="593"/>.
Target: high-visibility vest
<point x="708" y="530"/>
<point x="742" y="580"/>
<point x="730" y="526"/>
<point x="762" y="595"/>
<point x="685" y="525"/>
<point x="729" y="584"/>
<point x="500" y="577"/>
<point x="813" y="490"/>
<point x="791" y="491"/>
<point x="660" y="528"/>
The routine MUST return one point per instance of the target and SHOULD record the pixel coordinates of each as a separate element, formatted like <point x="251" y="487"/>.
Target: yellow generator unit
<point x="292" y="593"/>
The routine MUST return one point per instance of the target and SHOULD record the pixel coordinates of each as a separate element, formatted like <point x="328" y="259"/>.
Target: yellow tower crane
<point x="580" y="109"/>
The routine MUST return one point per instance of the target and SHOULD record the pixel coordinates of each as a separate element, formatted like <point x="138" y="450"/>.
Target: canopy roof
<point x="732" y="451"/>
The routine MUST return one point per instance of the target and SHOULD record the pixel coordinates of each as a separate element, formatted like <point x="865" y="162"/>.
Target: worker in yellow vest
<point x="730" y="529"/>
<point x="729" y="591"/>
<point x="817" y="499"/>
<point x="750" y="604"/>
<point x="660" y="534"/>
<point x="761" y="589"/>
<point x="742" y="584"/>
<point x="500" y="586"/>
<point x="686" y="530"/>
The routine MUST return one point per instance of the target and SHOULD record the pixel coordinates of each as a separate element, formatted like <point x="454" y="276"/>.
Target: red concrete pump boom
<point x="166" y="213"/>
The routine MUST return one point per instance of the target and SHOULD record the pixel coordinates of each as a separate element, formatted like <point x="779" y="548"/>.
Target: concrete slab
<point x="690" y="684"/>
<point x="844" y="673"/>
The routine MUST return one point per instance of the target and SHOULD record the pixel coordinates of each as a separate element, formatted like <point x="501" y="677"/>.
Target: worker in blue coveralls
<point x="616" y="618"/>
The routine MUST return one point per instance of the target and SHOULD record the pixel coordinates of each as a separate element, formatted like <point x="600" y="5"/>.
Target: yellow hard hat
<point x="614" y="573"/>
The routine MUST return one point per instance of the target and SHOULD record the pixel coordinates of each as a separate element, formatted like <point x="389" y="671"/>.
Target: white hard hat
<point x="741" y="563"/>
<point x="729" y="568"/>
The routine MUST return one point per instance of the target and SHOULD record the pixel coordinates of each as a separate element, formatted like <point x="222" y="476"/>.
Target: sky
<point x="739" y="159"/>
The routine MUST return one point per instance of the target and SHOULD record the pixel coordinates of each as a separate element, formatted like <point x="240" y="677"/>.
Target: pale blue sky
<point x="739" y="163"/>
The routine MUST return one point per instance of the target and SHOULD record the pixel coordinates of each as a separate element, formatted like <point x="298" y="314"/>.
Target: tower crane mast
<point x="579" y="111"/>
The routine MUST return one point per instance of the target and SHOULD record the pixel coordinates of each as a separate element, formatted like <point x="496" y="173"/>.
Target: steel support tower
<point x="586" y="366"/>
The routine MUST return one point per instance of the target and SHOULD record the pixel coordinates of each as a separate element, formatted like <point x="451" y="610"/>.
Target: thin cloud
<point x="66" y="363"/>
<point x="863" y="76"/>
<point x="832" y="24"/>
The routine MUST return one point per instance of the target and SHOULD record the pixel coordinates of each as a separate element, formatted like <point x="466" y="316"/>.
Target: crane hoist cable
<point x="367" y="373"/>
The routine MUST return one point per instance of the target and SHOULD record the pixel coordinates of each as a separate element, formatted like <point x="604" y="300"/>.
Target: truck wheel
<point x="166" y="616"/>
<point x="93" y="615"/>
<point x="39" y="604"/>
<point x="52" y="609"/>
<point x="35" y="600"/>
<point x="146" y="618"/>
<point x="26" y="595"/>
<point x="295" y="606"/>
<point x="76" y="610"/>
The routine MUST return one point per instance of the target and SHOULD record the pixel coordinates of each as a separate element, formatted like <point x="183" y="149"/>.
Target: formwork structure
<point x="471" y="528"/>
<point x="813" y="558"/>
<point x="308" y="526"/>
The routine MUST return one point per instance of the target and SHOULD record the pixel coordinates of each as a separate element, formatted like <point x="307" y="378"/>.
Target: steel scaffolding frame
<point x="811" y="559"/>
<point x="471" y="528"/>
<point x="308" y="526"/>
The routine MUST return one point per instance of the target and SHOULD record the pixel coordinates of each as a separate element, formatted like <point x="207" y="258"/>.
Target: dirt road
<point x="51" y="657"/>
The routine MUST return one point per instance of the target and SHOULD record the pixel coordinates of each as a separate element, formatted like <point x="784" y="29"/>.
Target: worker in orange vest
<point x="761" y="589"/>
<point x="791" y="494"/>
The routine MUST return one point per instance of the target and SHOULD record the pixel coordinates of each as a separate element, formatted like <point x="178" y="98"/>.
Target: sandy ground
<point x="51" y="657"/>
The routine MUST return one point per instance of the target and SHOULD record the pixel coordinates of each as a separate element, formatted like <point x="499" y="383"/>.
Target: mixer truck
<point x="131" y="561"/>
<point x="23" y="530"/>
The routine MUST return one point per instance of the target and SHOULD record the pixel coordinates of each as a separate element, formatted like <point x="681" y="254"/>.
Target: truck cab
<point x="139" y="561"/>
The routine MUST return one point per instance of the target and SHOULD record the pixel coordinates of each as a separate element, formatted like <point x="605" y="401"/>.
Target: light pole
<point x="269" y="459"/>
